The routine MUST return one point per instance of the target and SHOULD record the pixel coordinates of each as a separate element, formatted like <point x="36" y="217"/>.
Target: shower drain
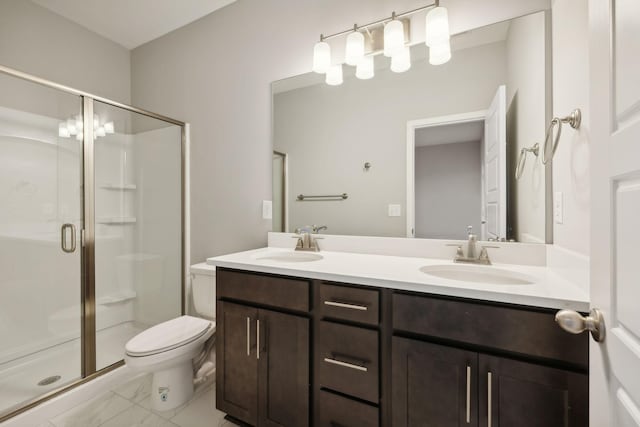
<point x="49" y="380"/>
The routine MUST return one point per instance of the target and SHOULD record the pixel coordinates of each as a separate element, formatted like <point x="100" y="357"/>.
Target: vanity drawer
<point x="347" y="358"/>
<point x="274" y="291"/>
<point x="334" y="410"/>
<point x="349" y="303"/>
<point x="518" y="330"/>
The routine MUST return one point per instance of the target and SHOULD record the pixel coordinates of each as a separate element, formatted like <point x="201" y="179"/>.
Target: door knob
<point x="575" y="323"/>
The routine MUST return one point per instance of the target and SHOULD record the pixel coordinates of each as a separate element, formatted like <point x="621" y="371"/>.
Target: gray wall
<point x="448" y="190"/>
<point x="330" y="132"/>
<point x="39" y="42"/>
<point x="216" y="74"/>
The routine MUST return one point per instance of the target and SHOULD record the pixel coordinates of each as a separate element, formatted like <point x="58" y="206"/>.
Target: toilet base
<point x="172" y="387"/>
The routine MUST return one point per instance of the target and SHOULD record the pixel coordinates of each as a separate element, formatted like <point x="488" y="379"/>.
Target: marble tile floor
<point x="128" y="405"/>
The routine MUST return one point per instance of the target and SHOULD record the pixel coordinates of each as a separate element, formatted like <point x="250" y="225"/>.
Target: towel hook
<point x="572" y="119"/>
<point x="535" y="149"/>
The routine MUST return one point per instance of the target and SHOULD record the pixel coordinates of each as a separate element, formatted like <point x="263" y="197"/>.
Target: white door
<point x="614" y="390"/>
<point x="495" y="168"/>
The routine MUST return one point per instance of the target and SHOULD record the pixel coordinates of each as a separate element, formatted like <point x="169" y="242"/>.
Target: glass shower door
<point x="41" y="215"/>
<point x="138" y="232"/>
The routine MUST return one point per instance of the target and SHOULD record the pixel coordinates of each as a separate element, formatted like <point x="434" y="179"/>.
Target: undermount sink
<point x="477" y="274"/>
<point x="290" y="257"/>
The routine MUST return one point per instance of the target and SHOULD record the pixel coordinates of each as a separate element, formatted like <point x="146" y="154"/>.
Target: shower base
<point x="24" y="379"/>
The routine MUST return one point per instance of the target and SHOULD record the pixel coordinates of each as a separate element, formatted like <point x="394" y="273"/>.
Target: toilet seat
<point x="167" y="336"/>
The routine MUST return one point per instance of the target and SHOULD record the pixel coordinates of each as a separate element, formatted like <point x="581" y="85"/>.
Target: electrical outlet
<point x="558" y="207"/>
<point x="394" y="210"/>
<point x="267" y="209"/>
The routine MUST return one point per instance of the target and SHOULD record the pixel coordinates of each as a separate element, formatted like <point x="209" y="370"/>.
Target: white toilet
<point x="167" y="349"/>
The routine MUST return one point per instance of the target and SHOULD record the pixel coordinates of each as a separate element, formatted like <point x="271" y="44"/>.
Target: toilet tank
<point x="203" y="289"/>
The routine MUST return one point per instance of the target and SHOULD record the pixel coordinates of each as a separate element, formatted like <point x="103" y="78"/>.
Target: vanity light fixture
<point x="321" y="56"/>
<point x="401" y="61"/>
<point x="334" y="75"/>
<point x="364" y="69"/>
<point x="393" y="41"/>
<point x="354" y="49"/>
<point x="393" y="37"/>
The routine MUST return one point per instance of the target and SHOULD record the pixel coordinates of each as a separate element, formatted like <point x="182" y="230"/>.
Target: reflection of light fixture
<point x="354" y="49"/>
<point x="401" y="61"/>
<point x="393" y="42"/>
<point x="63" y="131"/>
<point x="321" y="56"/>
<point x="74" y="126"/>
<point x="334" y="75"/>
<point x="364" y="70"/>
<point x="393" y="36"/>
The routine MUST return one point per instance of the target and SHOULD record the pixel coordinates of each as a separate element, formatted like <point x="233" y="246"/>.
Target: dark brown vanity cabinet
<point x="384" y="357"/>
<point x="460" y="384"/>
<point x="262" y="375"/>
<point x="433" y="385"/>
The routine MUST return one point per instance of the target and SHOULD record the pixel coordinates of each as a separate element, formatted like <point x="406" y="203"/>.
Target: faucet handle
<point x="459" y="253"/>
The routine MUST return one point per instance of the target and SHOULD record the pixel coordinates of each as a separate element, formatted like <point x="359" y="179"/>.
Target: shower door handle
<point x="71" y="247"/>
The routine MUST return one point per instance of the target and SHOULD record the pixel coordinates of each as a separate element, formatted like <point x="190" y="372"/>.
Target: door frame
<point x="412" y="126"/>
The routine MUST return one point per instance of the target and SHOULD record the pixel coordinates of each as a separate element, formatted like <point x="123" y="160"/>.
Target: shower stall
<point x="92" y="234"/>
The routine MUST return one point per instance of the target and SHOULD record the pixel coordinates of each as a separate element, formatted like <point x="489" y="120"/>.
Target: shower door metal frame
<point x="87" y="235"/>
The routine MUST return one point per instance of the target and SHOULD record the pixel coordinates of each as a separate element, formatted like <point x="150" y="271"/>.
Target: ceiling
<point x="449" y="134"/>
<point x="132" y="23"/>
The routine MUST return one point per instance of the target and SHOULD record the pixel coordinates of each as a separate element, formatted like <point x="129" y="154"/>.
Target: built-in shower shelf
<point x="116" y="220"/>
<point x="119" y="186"/>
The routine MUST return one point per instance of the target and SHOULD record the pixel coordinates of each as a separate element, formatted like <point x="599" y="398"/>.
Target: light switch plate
<point x="267" y="209"/>
<point x="394" y="210"/>
<point x="558" y="207"/>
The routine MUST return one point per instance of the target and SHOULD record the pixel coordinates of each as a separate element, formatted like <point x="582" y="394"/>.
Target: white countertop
<point x="548" y="290"/>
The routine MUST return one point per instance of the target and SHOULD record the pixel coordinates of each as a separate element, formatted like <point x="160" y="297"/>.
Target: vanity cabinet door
<point x="433" y="385"/>
<point x="283" y="369"/>
<point x="514" y="393"/>
<point x="237" y="370"/>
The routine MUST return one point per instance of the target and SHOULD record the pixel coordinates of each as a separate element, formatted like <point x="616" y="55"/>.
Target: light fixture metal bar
<point x="378" y="22"/>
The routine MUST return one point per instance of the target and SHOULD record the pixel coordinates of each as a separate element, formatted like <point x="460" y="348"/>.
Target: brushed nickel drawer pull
<point x="345" y="364"/>
<point x="343" y="305"/>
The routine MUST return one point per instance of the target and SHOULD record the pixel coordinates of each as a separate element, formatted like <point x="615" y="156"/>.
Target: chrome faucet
<point x="306" y="240"/>
<point x="470" y="257"/>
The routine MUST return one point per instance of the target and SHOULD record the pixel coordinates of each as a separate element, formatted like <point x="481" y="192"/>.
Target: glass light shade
<point x="401" y="61"/>
<point x="63" y="131"/>
<point x="334" y="75"/>
<point x="437" y="26"/>
<point x="321" y="57"/>
<point x="79" y="124"/>
<point x="79" y="136"/>
<point x="109" y="128"/>
<point x="439" y="54"/>
<point x="96" y="121"/>
<point x="393" y="37"/>
<point x="364" y="69"/>
<point x="354" y="50"/>
<point x="100" y="131"/>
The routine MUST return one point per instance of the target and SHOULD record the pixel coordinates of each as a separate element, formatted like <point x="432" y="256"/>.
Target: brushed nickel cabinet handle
<point x="468" y="394"/>
<point x="248" y="338"/>
<point x="489" y="399"/>
<point x="258" y="339"/>
<point x="344" y="305"/>
<point x="345" y="364"/>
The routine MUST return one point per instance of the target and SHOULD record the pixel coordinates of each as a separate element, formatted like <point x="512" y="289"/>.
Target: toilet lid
<point x="167" y="335"/>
